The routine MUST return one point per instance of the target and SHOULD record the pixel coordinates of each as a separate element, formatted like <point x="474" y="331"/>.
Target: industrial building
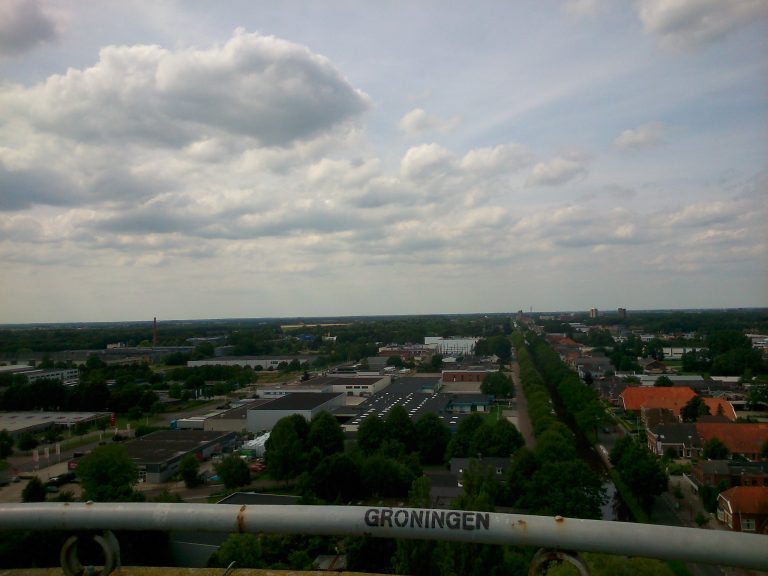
<point x="307" y="404"/>
<point x="159" y="454"/>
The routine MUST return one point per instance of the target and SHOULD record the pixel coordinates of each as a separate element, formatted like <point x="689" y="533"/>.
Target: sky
<point x="235" y="159"/>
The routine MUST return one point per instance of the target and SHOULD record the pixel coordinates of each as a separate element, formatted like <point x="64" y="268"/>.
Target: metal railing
<point x="550" y="533"/>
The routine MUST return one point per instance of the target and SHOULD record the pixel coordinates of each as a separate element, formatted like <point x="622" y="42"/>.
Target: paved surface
<point x="523" y="422"/>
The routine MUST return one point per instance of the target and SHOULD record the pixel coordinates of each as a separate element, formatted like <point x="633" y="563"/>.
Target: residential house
<point x="744" y="509"/>
<point x="730" y="472"/>
<point x="682" y="439"/>
<point x="636" y="398"/>
<point x="652" y="366"/>
<point x="743" y="439"/>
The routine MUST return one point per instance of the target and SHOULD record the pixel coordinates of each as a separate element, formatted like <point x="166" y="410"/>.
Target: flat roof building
<point x="306" y="404"/>
<point x="159" y="454"/>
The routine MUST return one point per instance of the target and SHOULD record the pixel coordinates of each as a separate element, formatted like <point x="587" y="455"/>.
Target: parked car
<point x="61" y="479"/>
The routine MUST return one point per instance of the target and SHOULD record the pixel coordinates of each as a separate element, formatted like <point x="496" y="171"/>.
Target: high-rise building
<point x="593" y="313"/>
<point x="623" y="313"/>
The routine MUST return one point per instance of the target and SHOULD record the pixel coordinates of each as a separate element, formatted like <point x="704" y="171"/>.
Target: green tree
<point x="336" y="478"/>
<point x="243" y="549"/>
<point x="663" y="381"/>
<point x="715" y="449"/>
<point x="459" y="445"/>
<point x="286" y="449"/>
<point x="400" y="428"/>
<point x="433" y="437"/>
<point x="382" y="476"/>
<point x="26" y="442"/>
<point x="108" y="474"/>
<point x="233" y="471"/>
<point x="497" y="438"/>
<point x="371" y="433"/>
<point x="189" y="468"/>
<point x="497" y="384"/>
<point x="569" y="488"/>
<point x="6" y="444"/>
<point x="34" y="491"/>
<point x="326" y="434"/>
<point x="693" y="409"/>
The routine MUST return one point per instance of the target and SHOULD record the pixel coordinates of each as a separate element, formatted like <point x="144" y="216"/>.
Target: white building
<point x="453" y="346"/>
<point x="307" y="404"/>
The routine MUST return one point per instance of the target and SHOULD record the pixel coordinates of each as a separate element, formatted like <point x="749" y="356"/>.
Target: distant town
<point x="639" y="416"/>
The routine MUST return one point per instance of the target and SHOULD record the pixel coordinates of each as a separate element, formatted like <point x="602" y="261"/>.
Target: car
<point x="61" y="479"/>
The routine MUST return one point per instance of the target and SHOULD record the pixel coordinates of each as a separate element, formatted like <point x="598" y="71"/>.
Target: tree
<point x="694" y="408"/>
<point x="382" y="476"/>
<point x="6" y="444"/>
<point x="400" y="428"/>
<point x="497" y="384"/>
<point x="108" y="474"/>
<point x="497" y="438"/>
<point x="243" y="549"/>
<point x="663" y="381"/>
<point x="189" y="468"/>
<point x="286" y="448"/>
<point x="233" y="471"/>
<point x="459" y="445"/>
<point x="336" y="478"/>
<point x="715" y="449"/>
<point x="568" y="488"/>
<point x="34" y="491"/>
<point x="433" y="437"/>
<point x="326" y="434"/>
<point x="371" y="434"/>
<point x="27" y="442"/>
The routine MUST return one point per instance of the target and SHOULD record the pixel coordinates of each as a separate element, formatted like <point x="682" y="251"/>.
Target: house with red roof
<point x="637" y="398"/>
<point x="720" y="407"/>
<point x="745" y="439"/>
<point x="744" y="508"/>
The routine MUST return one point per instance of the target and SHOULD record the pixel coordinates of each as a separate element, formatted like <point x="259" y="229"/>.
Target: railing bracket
<point x="70" y="563"/>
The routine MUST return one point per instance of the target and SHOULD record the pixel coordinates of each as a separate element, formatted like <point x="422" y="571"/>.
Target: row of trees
<point x="551" y="479"/>
<point x="639" y="470"/>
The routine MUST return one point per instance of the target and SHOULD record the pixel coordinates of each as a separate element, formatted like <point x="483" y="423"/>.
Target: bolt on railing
<point x="552" y="533"/>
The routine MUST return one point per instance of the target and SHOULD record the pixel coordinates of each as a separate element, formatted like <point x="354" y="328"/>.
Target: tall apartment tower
<point x="593" y="312"/>
<point x="623" y="313"/>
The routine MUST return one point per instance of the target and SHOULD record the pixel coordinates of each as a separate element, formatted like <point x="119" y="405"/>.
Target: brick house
<point x="744" y="509"/>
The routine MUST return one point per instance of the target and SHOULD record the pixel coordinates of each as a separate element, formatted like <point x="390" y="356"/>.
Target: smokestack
<point x="154" y="332"/>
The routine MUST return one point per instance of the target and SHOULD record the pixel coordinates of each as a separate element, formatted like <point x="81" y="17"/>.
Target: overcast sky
<point x="313" y="158"/>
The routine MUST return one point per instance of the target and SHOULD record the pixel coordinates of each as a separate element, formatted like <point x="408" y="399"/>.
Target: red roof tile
<point x="747" y="499"/>
<point x="635" y="398"/>
<point x="739" y="437"/>
<point x="727" y="408"/>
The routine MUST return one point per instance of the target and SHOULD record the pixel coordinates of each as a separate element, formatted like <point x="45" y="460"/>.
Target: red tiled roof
<point x="739" y="437"/>
<point x="715" y="403"/>
<point x="747" y="499"/>
<point x="674" y="398"/>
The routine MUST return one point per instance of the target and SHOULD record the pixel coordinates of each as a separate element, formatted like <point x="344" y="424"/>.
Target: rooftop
<point x="299" y="401"/>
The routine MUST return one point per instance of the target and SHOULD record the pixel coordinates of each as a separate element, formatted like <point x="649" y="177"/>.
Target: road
<point x="523" y="421"/>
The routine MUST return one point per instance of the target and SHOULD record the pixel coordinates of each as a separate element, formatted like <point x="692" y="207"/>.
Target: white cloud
<point x="558" y="170"/>
<point x="582" y="7"/>
<point x="645" y="136"/>
<point x="417" y="122"/>
<point x="24" y="25"/>
<point x="260" y="87"/>
<point x="692" y="22"/>
<point x="502" y="158"/>
<point x="426" y="161"/>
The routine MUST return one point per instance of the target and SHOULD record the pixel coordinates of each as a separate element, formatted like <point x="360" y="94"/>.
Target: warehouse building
<point x="159" y="454"/>
<point x="307" y="404"/>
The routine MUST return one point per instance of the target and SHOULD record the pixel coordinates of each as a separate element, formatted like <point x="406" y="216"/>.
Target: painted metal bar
<point x="623" y="538"/>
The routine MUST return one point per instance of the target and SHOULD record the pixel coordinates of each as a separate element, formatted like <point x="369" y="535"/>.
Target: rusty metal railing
<point x="550" y="533"/>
